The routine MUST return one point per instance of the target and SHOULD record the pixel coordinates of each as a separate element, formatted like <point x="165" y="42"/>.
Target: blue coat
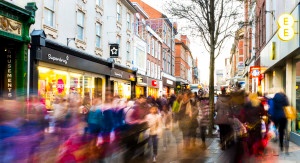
<point x="279" y="102"/>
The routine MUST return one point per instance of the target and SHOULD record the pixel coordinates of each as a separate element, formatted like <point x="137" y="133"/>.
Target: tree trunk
<point x="211" y="67"/>
<point x="211" y="90"/>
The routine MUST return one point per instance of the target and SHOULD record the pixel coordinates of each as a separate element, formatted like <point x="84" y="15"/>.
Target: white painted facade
<point x="65" y="25"/>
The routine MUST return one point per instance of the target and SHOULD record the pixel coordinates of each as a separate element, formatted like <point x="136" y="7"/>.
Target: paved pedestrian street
<point x="212" y="153"/>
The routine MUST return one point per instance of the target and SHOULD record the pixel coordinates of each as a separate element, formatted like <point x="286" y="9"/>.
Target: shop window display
<point x="298" y="96"/>
<point x="54" y="82"/>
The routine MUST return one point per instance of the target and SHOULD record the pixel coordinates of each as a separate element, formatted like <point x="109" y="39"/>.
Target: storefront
<point x="168" y="86"/>
<point x="14" y="40"/>
<point x="281" y="59"/>
<point x="297" y="88"/>
<point x="121" y="83"/>
<point x="153" y="87"/>
<point x="141" y="86"/>
<point x="181" y="86"/>
<point x="58" y="73"/>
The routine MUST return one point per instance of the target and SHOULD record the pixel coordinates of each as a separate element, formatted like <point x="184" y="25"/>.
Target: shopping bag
<point x="290" y="112"/>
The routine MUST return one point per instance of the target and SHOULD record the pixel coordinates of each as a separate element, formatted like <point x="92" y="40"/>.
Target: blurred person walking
<point x="11" y="122"/>
<point x="176" y="107"/>
<point x="224" y="112"/>
<point x="204" y="115"/>
<point x="166" y="115"/>
<point x="194" y="121"/>
<point x="278" y="116"/>
<point x="171" y="101"/>
<point x="135" y="125"/>
<point x="154" y="122"/>
<point x="185" y="119"/>
<point x="251" y="115"/>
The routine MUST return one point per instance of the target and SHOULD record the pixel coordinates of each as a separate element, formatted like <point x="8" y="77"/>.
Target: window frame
<point x="128" y="51"/>
<point x="128" y="21"/>
<point x="98" y="35"/>
<point x="52" y="11"/>
<point x="119" y="12"/>
<point x="80" y="25"/>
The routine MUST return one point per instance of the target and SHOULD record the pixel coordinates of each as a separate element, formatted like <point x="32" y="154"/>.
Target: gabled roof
<point x="140" y="10"/>
<point x="129" y="5"/>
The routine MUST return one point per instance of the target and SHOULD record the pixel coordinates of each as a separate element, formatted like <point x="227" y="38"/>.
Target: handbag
<point x="290" y="112"/>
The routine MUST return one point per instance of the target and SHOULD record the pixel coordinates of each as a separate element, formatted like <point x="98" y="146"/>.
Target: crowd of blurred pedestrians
<point x="250" y="121"/>
<point x="93" y="130"/>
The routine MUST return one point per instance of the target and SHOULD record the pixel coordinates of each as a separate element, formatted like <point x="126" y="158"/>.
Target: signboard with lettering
<point x="9" y="84"/>
<point x="60" y="86"/>
<point x="114" y="50"/>
<point x="255" y="72"/>
<point x="168" y="82"/>
<point x="68" y="60"/>
<point x="286" y="29"/>
<point x="154" y="83"/>
<point x="122" y="74"/>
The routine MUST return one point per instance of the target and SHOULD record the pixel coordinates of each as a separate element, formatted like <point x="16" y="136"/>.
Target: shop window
<point x="53" y="82"/>
<point x="297" y="87"/>
<point x="98" y="88"/>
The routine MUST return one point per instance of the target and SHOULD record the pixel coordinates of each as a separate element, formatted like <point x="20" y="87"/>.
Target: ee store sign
<point x="286" y="30"/>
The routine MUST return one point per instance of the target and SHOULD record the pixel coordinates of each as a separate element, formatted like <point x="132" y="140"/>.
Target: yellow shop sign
<point x="286" y="30"/>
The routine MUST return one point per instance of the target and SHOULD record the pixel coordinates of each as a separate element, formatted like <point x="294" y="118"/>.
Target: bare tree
<point x="214" y="21"/>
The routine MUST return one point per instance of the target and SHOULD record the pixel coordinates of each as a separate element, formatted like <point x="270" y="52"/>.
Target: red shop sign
<point x="154" y="83"/>
<point x="60" y="85"/>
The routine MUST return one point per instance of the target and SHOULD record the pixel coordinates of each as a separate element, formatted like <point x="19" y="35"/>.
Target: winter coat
<point x="252" y="115"/>
<point x="223" y="109"/>
<point x="185" y="115"/>
<point x="154" y="122"/>
<point x="205" y="114"/>
<point x="279" y="102"/>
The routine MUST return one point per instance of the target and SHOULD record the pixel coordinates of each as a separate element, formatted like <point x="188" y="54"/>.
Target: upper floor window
<point x="80" y="25"/>
<point x="156" y="49"/>
<point x="148" y="43"/>
<point x="159" y="51"/>
<point x="119" y="8"/>
<point x="128" y="21"/>
<point x="155" y="71"/>
<point x="152" y="69"/>
<point x="165" y="33"/>
<point x="153" y="47"/>
<point x="158" y="72"/>
<point x="137" y="25"/>
<point x="128" y="51"/>
<point x="49" y="13"/>
<point x="98" y="35"/>
<point x="148" y="68"/>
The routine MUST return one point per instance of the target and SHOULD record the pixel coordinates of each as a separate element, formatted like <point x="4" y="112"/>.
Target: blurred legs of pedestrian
<point x="203" y="136"/>
<point x="166" y="138"/>
<point x="225" y="134"/>
<point x="154" y="143"/>
<point x="193" y="136"/>
<point x="186" y="138"/>
<point x="281" y="125"/>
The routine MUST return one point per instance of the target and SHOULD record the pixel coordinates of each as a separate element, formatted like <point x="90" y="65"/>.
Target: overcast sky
<point x="196" y="47"/>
